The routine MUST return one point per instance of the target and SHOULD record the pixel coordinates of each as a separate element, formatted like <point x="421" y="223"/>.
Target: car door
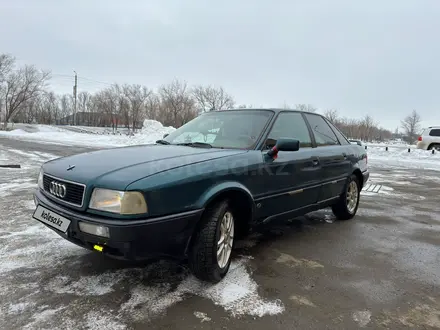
<point x="291" y="180"/>
<point x="333" y="157"/>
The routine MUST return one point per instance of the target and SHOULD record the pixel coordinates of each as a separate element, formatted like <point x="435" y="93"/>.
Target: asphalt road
<point x="378" y="271"/>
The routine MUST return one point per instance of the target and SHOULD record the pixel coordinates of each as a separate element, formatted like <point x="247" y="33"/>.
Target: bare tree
<point x="137" y="96"/>
<point x="367" y="126"/>
<point x="66" y="105"/>
<point x="20" y="86"/>
<point x="209" y="98"/>
<point x="177" y="104"/>
<point x="411" y="125"/>
<point x="332" y="115"/>
<point x="6" y="64"/>
<point x="305" y="107"/>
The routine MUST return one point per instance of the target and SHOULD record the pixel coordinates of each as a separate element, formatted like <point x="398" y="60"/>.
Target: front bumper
<point x="129" y="239"/>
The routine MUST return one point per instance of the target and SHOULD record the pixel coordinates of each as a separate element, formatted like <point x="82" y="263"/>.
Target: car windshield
<point x="226" y="129"/>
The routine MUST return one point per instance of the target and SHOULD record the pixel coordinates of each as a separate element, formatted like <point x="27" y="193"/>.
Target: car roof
<point x="276" y="110"/>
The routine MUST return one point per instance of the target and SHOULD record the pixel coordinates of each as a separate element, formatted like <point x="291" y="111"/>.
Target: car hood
<point x="118" y="167"/>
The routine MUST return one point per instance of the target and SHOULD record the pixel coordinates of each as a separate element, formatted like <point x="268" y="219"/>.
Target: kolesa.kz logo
<point x="51" y="218"/>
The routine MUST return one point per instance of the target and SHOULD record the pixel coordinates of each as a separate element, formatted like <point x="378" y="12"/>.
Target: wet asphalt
<point x="380" y="270"/>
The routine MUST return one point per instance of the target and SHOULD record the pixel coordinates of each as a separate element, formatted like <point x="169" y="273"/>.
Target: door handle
<point x="344" y="155"/>
<point x="315" y="162"/>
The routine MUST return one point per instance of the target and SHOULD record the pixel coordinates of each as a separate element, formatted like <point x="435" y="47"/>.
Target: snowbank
<point x="400" y="157"/>
<point x="151" y="131"/>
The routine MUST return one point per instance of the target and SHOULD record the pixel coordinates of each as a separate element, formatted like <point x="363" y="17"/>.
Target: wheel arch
<point x="359" y="176"/>
<point x="240" y="199"/>
<point x="432" y="144"/>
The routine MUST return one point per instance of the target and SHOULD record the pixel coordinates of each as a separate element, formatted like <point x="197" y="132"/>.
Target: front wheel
<point x="211" y="248"/>
<point x="348" y="203"/>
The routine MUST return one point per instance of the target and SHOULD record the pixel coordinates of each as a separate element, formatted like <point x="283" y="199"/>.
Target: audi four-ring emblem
<point x="57" y="189"/>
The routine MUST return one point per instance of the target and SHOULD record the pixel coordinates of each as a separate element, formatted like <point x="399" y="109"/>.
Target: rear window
<point x="435" y="132"/>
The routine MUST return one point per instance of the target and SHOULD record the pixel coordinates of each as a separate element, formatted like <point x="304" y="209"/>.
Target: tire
<point x="342" y="209"/>
<point x="203" y="260"/>
<point x="434" y="146"/>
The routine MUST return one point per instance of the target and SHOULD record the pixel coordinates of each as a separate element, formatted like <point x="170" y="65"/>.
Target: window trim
<point x="336" y="128"/>
<point x="325" y="121"/>
<point x="272" y="124"/>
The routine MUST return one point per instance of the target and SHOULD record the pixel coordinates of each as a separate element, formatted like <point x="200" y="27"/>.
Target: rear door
<point x="291" y="181"/>
<point x="335" y="161"/>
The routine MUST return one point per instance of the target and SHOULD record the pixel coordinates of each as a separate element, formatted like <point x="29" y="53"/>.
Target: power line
<point x="95" y="81"/>
<point x="82" y="78"/>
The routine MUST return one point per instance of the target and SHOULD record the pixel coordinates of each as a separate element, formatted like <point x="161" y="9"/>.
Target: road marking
<point x="370" y="187"/>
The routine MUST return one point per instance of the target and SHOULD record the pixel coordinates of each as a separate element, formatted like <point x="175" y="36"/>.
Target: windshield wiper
<point x="195" y="144"/>
<point x="162" y="142"/>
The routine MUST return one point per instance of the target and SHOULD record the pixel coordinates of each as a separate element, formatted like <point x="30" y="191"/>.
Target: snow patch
<point x="202" y="316"/>
<point x="236" y="293"/>
<point x="87" y="285"/>
<point x="362" y="318"/>
<point x="19" y="308"/>
<point x="7" y="189"/>
<point x="44" y="317"/>
<point x="106" y="321"/>
<point x="151" y="131"/>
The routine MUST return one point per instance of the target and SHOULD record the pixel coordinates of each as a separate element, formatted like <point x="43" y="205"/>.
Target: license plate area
<point x="51" y="218"/>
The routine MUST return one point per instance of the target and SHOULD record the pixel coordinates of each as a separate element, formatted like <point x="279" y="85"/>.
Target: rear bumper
<point x="166" y="236"/>
<point x="422" y="145"/>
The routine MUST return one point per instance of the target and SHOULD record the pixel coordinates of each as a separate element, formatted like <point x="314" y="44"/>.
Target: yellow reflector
<point x="98" y="248"/>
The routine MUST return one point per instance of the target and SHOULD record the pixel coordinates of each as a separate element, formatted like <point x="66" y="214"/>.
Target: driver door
<point x="291" y="181"/>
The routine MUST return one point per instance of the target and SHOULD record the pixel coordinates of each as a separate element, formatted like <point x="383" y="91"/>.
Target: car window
<point x="223" y="129"/>
<point x="435" y="132"/>
<point x="324" y="136"/>
<point x="289" y="125"/>
<point x="342" y="139"/>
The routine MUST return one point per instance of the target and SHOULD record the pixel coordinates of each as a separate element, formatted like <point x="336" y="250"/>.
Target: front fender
<point x="223" y="187"/>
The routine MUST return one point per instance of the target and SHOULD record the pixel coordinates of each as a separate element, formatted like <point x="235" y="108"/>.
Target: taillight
<point x="366" y="159"/>
<point x="420" y="138"/>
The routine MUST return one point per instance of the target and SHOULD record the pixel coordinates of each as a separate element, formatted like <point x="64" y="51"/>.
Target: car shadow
<point x="167" y="270"/>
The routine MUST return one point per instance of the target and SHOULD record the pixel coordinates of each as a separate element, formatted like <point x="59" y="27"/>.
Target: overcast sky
<point x="375" y="57"/>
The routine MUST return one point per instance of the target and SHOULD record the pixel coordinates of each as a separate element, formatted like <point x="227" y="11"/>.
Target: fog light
<point x="94" y="229"/>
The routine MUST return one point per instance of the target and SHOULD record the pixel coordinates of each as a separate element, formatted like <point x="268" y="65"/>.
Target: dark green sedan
<point x="191" y="194"/>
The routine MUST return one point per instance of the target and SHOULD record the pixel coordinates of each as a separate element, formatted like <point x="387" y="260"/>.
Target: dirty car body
<point x="191" y="194"/>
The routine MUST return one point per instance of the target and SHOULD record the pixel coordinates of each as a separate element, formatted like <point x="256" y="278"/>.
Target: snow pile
<point x="400" y="157"/>
<point x="15" y="132"/>
<point x="152" y="130"/>
<point x="155" y="128"/>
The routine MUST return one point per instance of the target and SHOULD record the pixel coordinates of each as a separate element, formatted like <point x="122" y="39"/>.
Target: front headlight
<point x="121" y="202"/>
<point x="40" y="180"/>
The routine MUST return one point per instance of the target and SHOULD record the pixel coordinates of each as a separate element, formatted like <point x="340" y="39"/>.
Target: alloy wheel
<point x="352" y="196"/>
<point x="226" y="240"/>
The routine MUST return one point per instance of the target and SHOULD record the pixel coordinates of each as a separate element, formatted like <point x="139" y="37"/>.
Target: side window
<point x="324" y="136"/>
<point x="435" y="132"/>
<point x="289" y="125"/>
<point x="342" y="139"/>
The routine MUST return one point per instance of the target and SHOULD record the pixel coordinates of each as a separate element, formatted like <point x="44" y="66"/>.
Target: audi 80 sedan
<point x="191" y="194"/>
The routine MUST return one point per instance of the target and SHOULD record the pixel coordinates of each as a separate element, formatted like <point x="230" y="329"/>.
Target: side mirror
<point x="165" y="135"/>
<point x="283" y="145"/>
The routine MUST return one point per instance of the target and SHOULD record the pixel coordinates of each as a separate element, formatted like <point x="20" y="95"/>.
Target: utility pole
<point x="75" y="88"/>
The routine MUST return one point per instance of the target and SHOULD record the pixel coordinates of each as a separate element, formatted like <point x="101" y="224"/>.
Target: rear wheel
<point x="435" y="147"/>
<point x="348" y="203"/>
<point x="210" y="252"/>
